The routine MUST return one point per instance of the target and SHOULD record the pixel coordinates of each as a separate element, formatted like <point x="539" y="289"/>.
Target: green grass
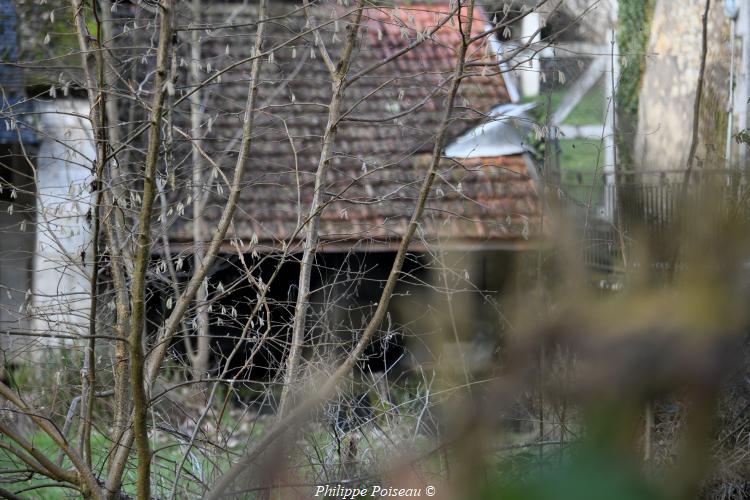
<point x="581" y="167"/>
<point x="168" y="455"/>
<point x="579" y="158"/>
<point x="588" y="111"/>
<point x="44" y="443"/>
<point x="580" y="155"/>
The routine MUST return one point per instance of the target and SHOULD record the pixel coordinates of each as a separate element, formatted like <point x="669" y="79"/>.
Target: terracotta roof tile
<point x="376" y="167"/>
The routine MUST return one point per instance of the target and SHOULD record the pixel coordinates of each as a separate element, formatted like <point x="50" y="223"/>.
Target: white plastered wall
<point x="61" y="295"/>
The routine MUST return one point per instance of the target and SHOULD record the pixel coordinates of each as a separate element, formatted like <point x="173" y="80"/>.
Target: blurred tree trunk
<point x="199" y="354"/>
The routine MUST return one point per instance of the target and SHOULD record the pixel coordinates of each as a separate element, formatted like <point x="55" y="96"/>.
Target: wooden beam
<point x="579" y="49"/>
<point x="579" y="88"/>
<point x="593" y="131"/>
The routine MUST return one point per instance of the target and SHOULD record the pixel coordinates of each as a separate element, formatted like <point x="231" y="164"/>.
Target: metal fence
<point x="649" y="218"/>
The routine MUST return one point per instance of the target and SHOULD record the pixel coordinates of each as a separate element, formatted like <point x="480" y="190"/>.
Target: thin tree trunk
<point x="198" y="355"/>
<point x="173" y="322"/>
<point x="698" y="95"/>
<point x="114" y="226"/>
<point x="88" y="373"/>
<point x="142" y="258"/>
<point x="97" y="102"/>
<point x="312" y="234"/>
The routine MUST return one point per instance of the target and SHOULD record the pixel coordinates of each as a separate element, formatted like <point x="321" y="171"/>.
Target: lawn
<point x="580" y="160"/>
<point x="168" y="454"/>
<point x="588" y="111"/>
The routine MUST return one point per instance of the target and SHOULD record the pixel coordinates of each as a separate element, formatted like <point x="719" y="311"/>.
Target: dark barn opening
<point x="345" y="290"/>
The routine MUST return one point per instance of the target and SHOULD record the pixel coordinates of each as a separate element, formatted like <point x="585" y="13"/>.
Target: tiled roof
<point x="377" y="166"/>
<point x="379" y="158"/>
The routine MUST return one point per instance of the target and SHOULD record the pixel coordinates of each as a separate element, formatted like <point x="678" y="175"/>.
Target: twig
<point x="296" y="415"/>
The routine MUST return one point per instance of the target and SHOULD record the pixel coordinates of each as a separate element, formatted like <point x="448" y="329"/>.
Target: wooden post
<point x="531" y="70"/>
<point x="610" y="156"/>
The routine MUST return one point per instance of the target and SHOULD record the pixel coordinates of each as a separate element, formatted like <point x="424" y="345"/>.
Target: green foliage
<point x="743" y="137"/>
<point x="632" y="39"/>
<point x="602" y="464"/>
<point x="590" y="474"/>
<point x="46" y="33"/>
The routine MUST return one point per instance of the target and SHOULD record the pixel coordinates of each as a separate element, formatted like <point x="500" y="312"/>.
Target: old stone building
<point x="670" y="81"/>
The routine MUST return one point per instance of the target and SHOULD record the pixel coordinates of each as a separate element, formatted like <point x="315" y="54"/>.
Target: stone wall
<point x="665" y="114"/>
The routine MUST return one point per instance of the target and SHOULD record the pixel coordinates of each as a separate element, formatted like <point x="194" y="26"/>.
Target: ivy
<point x="632" y="39"/>
<point x="743" y="137"/>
